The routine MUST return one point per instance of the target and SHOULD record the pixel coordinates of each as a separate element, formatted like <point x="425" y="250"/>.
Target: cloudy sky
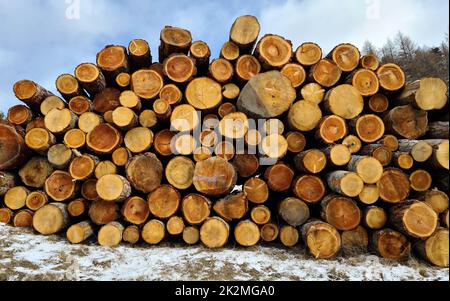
<point x="40" y="39"/>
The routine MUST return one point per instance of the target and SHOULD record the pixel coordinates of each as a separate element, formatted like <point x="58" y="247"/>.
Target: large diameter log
<point x="267" y="95"/>
<point x="214" y="232"/>
<point x="179" y="68"/>
<point x="368" y="168"/>
<point x="346" y="183"/>
<point x="438" y="200"/>
<point x="154" y="232"/>
<point x="273" y="51"/>
<point x="20" y="115"/>
<point x="438" y="130"/>
<point x="331" y="129"/>
<point x="256" y="190"/>
<point x="247" y="66"/>
<point x="247" y="233"/>
<point x="346" y="57"/>
<point x="180" y="172"/>
<point x="326" y="73"/>
<point x="366" y="81"/>
<point x="308" y="54"/>
<point x="7" y="181"/>
<point x="60" y="121"/>
<point x="103" y="139"/>
<point x="138" y="140"/>
<point x="60" y="186"/>
<point x="341" y="212"/>
<point x="140" y="54"/>
<point x="90" y="78"/>
<point x="201" y="53"/>
<point x="59" y="156"/>
<point x="311" y="161"/>
<point x="103" y="212"/>
<point x="375" y="218"/>
<point x="113" y="60"/>
<point x="80" y="232"/>
<point x="51" y="219"/>
<point x="68" y="86"/>
<point x="15" y="198"/>
<point x="293" y="211"/>
<point x="35" y="172"/>
<point x="426" y="94"/>
<point x="196" y="208"/>
<point x="406" y="122"/>
<point x="355" y="241"/>
<point x="344" y="101"/>
<point x="391" y="77"/>
<point x="232" y="207"/>
<point x="146" y="83"/>
<point x="214" y="177"/>
<point x="110" y="235"/>
<point x="245" y="32"/>
<point x="435" y="248"/>
<point x="174" y="40"/>
<point x="391" y="244"/>
<point x="279" y="177"/>
<point x="135" y="210"/>
<point x="13" y="149"/>
<point x="304" y="116"/>
<point x="308" y="188"/>
<point x="246" y="165"/>
<point x="394" y="186"/>
<point x="164" y="202"/>
<point x="30" y="93"/>
<point x="322" y="240"/>
<point x="415" y="219"/>
<point x="204" y="94"/>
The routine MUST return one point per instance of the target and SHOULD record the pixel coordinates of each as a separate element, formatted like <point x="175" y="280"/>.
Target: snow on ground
<point x="25" y="256"/>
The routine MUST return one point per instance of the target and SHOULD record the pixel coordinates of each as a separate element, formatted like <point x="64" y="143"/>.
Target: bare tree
<point x="369" y="48"/>
<point x="388" y="52"/>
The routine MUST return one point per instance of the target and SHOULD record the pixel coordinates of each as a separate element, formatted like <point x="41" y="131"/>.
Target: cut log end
<point x="214" y="232"/>
<point x="394" y="186"/>
<point x="269" y="232"/>
<point x="51" y="219"/>
<point x="256" y="190"/>
<point x="110" y="235"/>
<point x="247" y="233"/>
<point x="322" y="240"/>
<point x="308" y="54"/>
<point x="180" y="172"/>
<point x="164" y="202"/>
<point x="154" y="232"/>
<point x="245" y="32"/>
<point x="289" y="236"/>
<point x="310" y="189"/>
<point x="391" y="77"/>
<point x="346" y="56"/>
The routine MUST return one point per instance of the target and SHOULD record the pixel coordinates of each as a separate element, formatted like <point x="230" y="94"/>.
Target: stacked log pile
<point x="334" y="152"/>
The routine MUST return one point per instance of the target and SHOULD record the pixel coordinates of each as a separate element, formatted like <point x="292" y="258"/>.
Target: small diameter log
<point x="435" y="248"/>
<point x="130" y="100"/>
<point x="226" y="108"/>
<point x="214" y="232"/>
<point x="131" y="234"/>
<point x="269" y="232"/>
<point x="180" y="172"/>
<point x="346" y="183"/>
<point x="296" y="74"/>
<point x="304" y="116"/>
<point x="368" y="168"/>
<point x="232" y="207"/>
<point x="162" y="109"/>
<point x="59" y="156"/>
<point x="310" y="189"/>
<point x="90" y="78"/>
<point x="274" y="146"/>
<point x="83" y="167"/>
<point x="113" y="188"/>
<point x="148" y="119"/>
<point x="337" y="155"/>
<point x="164" y="202"/>
<point x="54" y="102"/>
<point x="184" y="118"/>
<point x="420" y="180"/>
<point x="19" y="115"/>
<point x="146" y="83"/>
<point x="191" y="235"/>
<point x="75" y="139"/>
<point x="204" y="94"/>
<point x="221" y="71"/>
<point x="234" y="125"/>
<point x="89" y="190"/>
<point x="23" y="219"/>
<point x="258" y="102"/>
<point x="30" y="93"/>
<point x="378" y="103"/>
<point x="438" y="130"/>
<point x="403" y="160"/>
<point x="154" y="232"/>
<point x="440" y="158"/>
<point x="353" y="143"/>
<point x="261" y="215"/>
<point x="104" y="168"/>
<point x="247" y="66"/>
<point x="175" y="225"/>
<point x="35" y="172"/>
<point x="369" y="128"/>
<point x="391" y="77"/>
<point x="201" y="53"/>
<point x="365" y="81"/>
<point x="311" y="161"/>
<point x="40" y="140"/>
<point x="331" y="129"/>
<point x="51" y="219"/>
<point x="179" y="68"/>
<point x="113" y="60"/>
<point x="421" y="151"/>
<point x="391" y="244"/>
<point x="370" y="62"/>
<point x="256" y="190"/>
<point x="273" y="126"/>
<point x="7" y="181"/>
<point x="346" y="56"/>
<point x="313" y="92"/>
<point x="214" y="177"/>
<point x="230" y="51"/>
<point x="140" y="54"/>
<point x="103" y="212"/>
<point x="12" y="145"/>
<point x="89" y="121"/>
<point x="78" y="207"/>
<point x="426" y="94"/>
<point x="6" y="215"/>
<point x="438" y="200"/>
<point x="80" y="232"/>
<point x="375" y="218"/>
<point x="415" y="219"/>
<point x="296" y="142"/>
<point x="355" y="241"/>
<point x="196" y="209"/>
<point x="253" y="138"/>
<point x="124" y="118"/>
<point x="247" y="233"/>
<point x="163" y="142"/>
<point x="322" y="240"/>
<point x="15" y="198"/>
<point x="279" y="177"/>
<point x="406" y="122"/>
<point x="135" y="210"/>
<point x="103" y="139"/>
<point x="245" y="32"/>
<point x="293" y="211"/>
<point x="325" y="73"/>
<point x="68" y="86"/>
<point x="231" y="91"/>
<point x="394" y="186"/>
<point x="308" y="54"/>
<point x="174" y="40"/>
<point x="341" y="212"/>
<point x="123" y="81"/>
<point x="60" y="186"/>
<point x="60" y="121"/>
<point x="344" y="101"/>
<point x="110" y="235"/>
<point x="369" y="195"/>
<point x="106" y="100"/>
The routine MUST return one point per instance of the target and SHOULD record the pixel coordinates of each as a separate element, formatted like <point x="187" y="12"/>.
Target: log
<point x="144" y="172"/>
<point x="180" y="172"/>
<point x="60" y="186"/>
<point x="59" y="156"/>
<point x="139" y="54"/>
<point x="36" y="200"/>
<point x="195" y="208"/>
<point x="247" y="66"/>
<point x="304" y="116"/>
<point x="204" y="94"/>
<point x="148" y="119"/>
<point x="106" y="100"/>
<point x="421" y="151"/>
<point x="253" y="138"/>
<point x="7" y="181"/>
<point x="154" y="232"/>
<point x="147" y="84"/>
<point x="344" y="101"/>
<point x="279" y="177"/>
<point x="162" y="143"/>
<point x="35" y="172"/>
<point x="184" y="118"/>
<point x="369" y="195"/>
<point x="23" y="219"/>
<point x="406" y="122"/>
<point x="245" y="32"/>
<point x="90" y="78"/>
<point x="368" y="168"/>
<point x="331" y="129"/>
<point x="435" y="248"/>
<point x="234" y="125"/>
<point x="273" y="52"/>
<point x="269" y="232"/>
<point x="391" y="244"/>
<point x="77" y="208"/>
<point x="440" y="158"/>
<point x="6" y="215"/>
<point x="338" y="155"/>
<point x="370" y="61"/>
<point x="445" y="218"/>
<point x="403" y="160"/>
<point x="113" y="60"/>
<point x="426" y="94"/>
<point x="89" y="190"/>
<point x="113" y="188"/>
<point x="15" y="198"/>
<point x="311" y="161"/>
<point x="273" y="126"/>
<point x="191" y="235"/>
<point x="230" y="52"/>
<point x="346" y="183"/>
<point x="247" y="233"/>
<point x="274" y="146"/>
<point x="414" y="219"/>
<point x="123" y="81"/>
<point x="54" y="102"/>
<point x="355" y="241"/>
<point x="68" y="86"/>
<point x="365" y="81"/>
<point x="103" y="212"/>
<point x="260" y="215"/>
<point x="246" y="165"/>
<point x="171" y="94"/>
<point x="162" y="109"/>
<point x="438" y="200"/>
<point x="214" y="232"/>
<point x="313" y="92"/>
<point x="438" y="130"/>
<point x="202" y="153"/>
<point x="175" y="225"/>
<point x="231" y="91"/>
<point x="390" y="142"/>
<point x="391" y="77"/>
<point x="322" y="240"/>
<point x="80" y="232"/>
<point x="341" y="212"/>
<point x="214" y="177"/>
<point x="232" y="207"/>
<point x="104" y="168"/>
<point x="308" y="54"/>
<point x="226" y="109"/>
<point x="256" y="190"/>
<point x="174" y="40"/>
<point x="346" y="57"/>
<point x="30" y="93"/>
<point x="378" y="103"/>
<point x="131" y="234"/>
<point x="40" y="140"/>
<point x="293" y="211"/>
<point x="110" y="235"/>
<point x="179" y="68"/>
<point x="308" y="188"/>
<point x="221" y="71"/>
<point x="103" y="139"/>
<point x="375" y="218"/>
<point x="60" y="121"/>
<point x="56" y="213"/>
<point x="201" y="53"/>
<point x="259" y="102"/>
<point x="135" y="210"/>
<point x="420" y="180"/>
<point x="296" y="142"/>
<point x="20" y="115"/>
<point x="75" y="139"/>
<point x="164" y="202"/>
<point x="369" y="128"/>
<point x="353" y="143"/>
<point x="89" y="121"/>
<point x="394" y="186"/>
<point x="325" y="73"/>
<point x="124" y="118"/>
<point x="81" y="168"/>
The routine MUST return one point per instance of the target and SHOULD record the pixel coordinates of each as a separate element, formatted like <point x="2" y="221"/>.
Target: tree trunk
<point x="103" y="139"/>
<point x="403" y="160"/>
<point x="103" y="212"/>
<point x="296" y="142"/>
<point x="231" y="92"/>
<point x="308" y="188"/>
<point x="35" y="172"/>
<point x="375" y="218"/>
<point x="279" y="177"/>
<point x="289" y="236"/>
<point x="421" y="151"/>
<point x="326" y="73"/>
<point x="304" y="116"/>
<point x="331" y="129"/>
<point x="60" y="121"/>
<point x="245" y="32"/>
<point x="341" y="212"/>
<point x="162" y="110"/>
<point x="426" y="94"/>
<point x="135" y="210"/>
<point x="369" y="195"/>
<point x="60" y="186"/>
<point x="23" y="219"/>
<point x="346" y="183"/>
<point x="191" y="235"/>
<point x="80" y="232"/>
<point x="322" y="240"/>
<point x="180" y="172"/>
<point x="234" y="125"/>
<point x="273" y="60"/>
<point x="113" y="188"/>
<point x="75" y="139"/>
<point x="391" y="77"/>
<point x="124" y="118"/>
<point x="31" y="94"/>
<point x="368" y="168"/>
<point x="106" y="100"/>
<point x="163" y="143"/>
<point x="154" y="232"/>
<point x="232" y="207"/>
<point x="256" y="190"/>
<point x="110" y="235"/>
<point x="15" y="198"/>
<point x="435" y="248"/>
<point x="214" y="177"/>
<point x="308" y="54"/>
<point x="214" y="232"/>
<point x="56" y="213"/>
<point x="247" y="233"/>
<point x="90" y="78"/>
<point x="184" y="118"/>
<point x="406" y="122"/>
<point x="391" y="244"/>
<point x="440" y="158"/>
<point x="36" y="200"/>
<point x="78" y="208"/>
<point x="105" y="168"/>
<point x="394" y="186"/>
<point x="247" y="66"/>
<point x="164" y="202"/>
<point x="196" y="209"/>
<point x="311" y="161"/>
<point x="344" y="101"/>
<point x="204" y="94"/>
<point x="6" y="216"/>
<point x="139" y="140"/>
<point x="293" y="211"/>
<point x="174" y="40"/>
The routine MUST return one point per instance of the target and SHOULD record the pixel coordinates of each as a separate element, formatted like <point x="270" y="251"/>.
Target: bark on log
<point x="80" y="232"/>
<point x="60" y="186"/>
<point x="368" y="168"/>
<point x="355" y="241"/>
<point x="110" y="235"/>
<point x="438" y="130"/>
<point x="421" y="151"/>
<point x="90" y="78"/>
<point x="140" y="54"/>
<point x="230" y="52"/>
<point x="113" y="60"/>
<point x="344" y="101"/>
<point x="35" y="172"/>
<point x="20" y="115"/>
<point x="201" y="53"/>
<point x="214" y="177"/>
<point x="406" y="122"/>
<point x="30" y="93"/>
<point x="174" y="40"/>
<point x="426" y="94"/>
<point x="7" y="181"/>
<point x="113" y="188"/>
<point x="308" y="54"/>
<point x="68" y="86"/>
<point x="346" y="183"/>
<point x="245" y="32"/>
<point x="435" y="248"/>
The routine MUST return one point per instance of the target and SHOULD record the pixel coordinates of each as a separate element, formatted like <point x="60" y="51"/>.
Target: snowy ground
<point x="25" y="256"/>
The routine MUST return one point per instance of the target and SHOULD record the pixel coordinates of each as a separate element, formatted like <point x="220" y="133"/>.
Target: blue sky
<point x="40" y="39"/>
